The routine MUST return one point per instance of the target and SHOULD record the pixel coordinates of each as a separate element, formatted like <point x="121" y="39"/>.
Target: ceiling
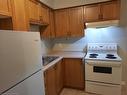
<point x="56" y="4"/>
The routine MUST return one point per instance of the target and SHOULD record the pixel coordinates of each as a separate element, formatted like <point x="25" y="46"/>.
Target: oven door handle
<point x="93" y="64"/>
<point x="103" y="64"/>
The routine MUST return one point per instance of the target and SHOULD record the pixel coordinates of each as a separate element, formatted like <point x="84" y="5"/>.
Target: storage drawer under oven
<point x="103" y="74"/>
<point x="102" y="89"/>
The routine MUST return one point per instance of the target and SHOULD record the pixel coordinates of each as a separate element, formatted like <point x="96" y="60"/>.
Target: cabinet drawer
<point x="103" y="89"/>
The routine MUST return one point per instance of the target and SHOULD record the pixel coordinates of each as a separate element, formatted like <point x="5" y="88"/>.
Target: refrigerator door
<point x="31" y="86"/>
<point x="20" y="56"/>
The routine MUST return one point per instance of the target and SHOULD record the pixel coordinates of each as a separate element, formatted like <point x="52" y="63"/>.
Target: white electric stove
<point x="103" y="69"/>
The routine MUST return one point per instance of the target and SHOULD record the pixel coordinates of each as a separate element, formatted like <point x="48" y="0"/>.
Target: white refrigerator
<point x="21" y="63"/>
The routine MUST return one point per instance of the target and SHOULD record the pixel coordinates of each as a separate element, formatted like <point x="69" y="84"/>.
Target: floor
<point x="68" y="91"/>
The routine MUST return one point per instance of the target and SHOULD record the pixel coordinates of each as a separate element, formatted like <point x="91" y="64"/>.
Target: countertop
<point x="51" y="63"/>
<point x="63" y="54"/>
<point x="68" y="54"/>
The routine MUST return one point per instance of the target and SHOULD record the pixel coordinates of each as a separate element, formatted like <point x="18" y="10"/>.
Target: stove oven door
<point x="102" y="74"/>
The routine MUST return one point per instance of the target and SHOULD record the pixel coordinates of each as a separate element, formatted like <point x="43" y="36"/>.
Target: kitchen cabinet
<point x="53" y="78"/>
<point x="52" y="24"/>
<point x="76" y="23"/>
<point x="50" y="81"/>
<point x="92" y="13"/>
<point x="59" y="77"/>
<point x="34" y="11"/>
<point x="102" y="11"/>
<point x="44" y="14"/>
<point x="38" y="13"/>
<point x="74" y="73"/>
<point x="110" y="10"/>
<point x="62" y="23"/>
<point x="5" y="8"/>
<point x="47" y="31"/>
<point x="69" y="22"/>
<point x="20" y="17"/>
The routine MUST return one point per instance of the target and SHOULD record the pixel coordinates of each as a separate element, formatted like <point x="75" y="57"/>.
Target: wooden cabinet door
<point x="76" y="23"/>
<point x="52" y="26"/>
<point x="61" y="23"/>
<point x="59" y="77"/>
<point x="91" y="13"/>
<point x="34" y="11"/>
<point x="5" y="7"/>
<point x="20" y="15"/>
<point x="50" y="81"/>
<point x="45" y="14"/>
<point x="74" y="73"/>
<point x="110" y="10"/>
<point x="47" y="31"/>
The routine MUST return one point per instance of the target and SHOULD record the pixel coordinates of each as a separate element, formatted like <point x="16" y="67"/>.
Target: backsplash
<point x="45" y="43"/>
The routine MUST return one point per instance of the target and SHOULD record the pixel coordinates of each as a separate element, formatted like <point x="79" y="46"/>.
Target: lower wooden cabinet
<point x="50" y="81"/>
<point x="59" y="77"/>
<point x="74" y="73"/>
<point x="66" y="73"/>
<point x="54" y="79"/>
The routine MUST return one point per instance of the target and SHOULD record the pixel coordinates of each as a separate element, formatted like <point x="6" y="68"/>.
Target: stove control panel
<point x="102" y="46"/>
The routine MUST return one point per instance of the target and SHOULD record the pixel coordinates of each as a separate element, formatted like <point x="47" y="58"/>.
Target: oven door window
<point x="106" y="70"/>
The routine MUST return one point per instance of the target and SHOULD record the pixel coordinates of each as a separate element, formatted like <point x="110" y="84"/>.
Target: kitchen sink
<point x="47" y="59"/>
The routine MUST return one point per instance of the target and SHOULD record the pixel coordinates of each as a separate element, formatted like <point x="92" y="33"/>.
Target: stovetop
<point x="102" y="51"/>
<point x="102" y="56"/>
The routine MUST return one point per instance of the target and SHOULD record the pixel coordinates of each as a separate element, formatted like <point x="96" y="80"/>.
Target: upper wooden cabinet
<point x="38" y="13"/>
<point x="20" y="17"/>
<point x="76" y="23"/>
<point x="44" y="14"/>
<point x="52" y="24"/>
<point x="5" y="8"/>
<point x="34" y="15"/>
<point x="102" y="11"/>
<point x="62" y="23"/>
<point x="110" y="10"/>
<point x="47" y="30"/>
<point x="69" y="22"/>
<point x="91" y="12"/>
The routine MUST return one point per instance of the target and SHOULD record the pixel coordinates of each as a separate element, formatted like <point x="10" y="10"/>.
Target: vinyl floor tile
<point x="68" y="91"/>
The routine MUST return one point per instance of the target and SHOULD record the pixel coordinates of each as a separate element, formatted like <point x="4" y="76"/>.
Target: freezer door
<point x="20" y="56"/>
<point x="31" y="86"/>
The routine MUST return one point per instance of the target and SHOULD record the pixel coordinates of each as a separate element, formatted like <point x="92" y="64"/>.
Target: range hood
<point x="102" y="24"/>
